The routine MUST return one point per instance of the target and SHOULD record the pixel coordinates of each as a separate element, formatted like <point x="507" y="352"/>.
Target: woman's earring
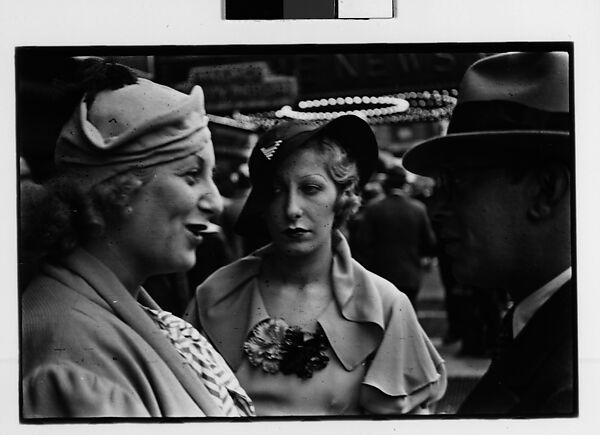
<point x="128" y="210"/>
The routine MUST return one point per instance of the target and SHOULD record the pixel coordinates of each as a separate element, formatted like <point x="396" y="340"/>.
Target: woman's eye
<point x="192" y="176"/>
<point x="311" y="189"/>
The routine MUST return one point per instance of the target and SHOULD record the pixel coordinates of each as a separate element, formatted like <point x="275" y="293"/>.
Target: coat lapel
<point x="357" y="311"/>
<point x="224" y="307"/>
<point x="126" y="307"/>
<point x="549" y="326"/>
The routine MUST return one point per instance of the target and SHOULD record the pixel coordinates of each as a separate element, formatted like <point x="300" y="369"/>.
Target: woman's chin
<point x="182" y="263"/>
<point x="298" y="249"/>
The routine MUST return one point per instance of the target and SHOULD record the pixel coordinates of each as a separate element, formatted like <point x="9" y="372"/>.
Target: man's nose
<point x="437" y="206"/>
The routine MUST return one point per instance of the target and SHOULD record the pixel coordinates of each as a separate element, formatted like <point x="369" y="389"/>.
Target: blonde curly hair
<point x="343" y="170"/>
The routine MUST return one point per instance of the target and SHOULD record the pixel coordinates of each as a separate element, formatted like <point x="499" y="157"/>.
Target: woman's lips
<point x="196" y="231"/>
<point x="295" y="233"/>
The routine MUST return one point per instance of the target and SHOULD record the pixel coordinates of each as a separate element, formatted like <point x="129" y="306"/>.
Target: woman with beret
<point x="306" y="329"/>
<point x="132" y="198"/>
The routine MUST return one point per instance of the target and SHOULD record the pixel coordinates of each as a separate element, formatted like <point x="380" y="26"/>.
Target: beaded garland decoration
<point x="392" y="105"/>
<point x="274" y="346"/>
<point x="406" y="107"/>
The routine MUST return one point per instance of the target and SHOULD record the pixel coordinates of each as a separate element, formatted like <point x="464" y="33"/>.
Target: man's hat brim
<point x="512" y="108"/>
<point x="502" y="149"/>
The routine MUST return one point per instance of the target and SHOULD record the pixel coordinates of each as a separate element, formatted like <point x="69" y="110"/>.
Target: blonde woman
<point x="306" y="329"/>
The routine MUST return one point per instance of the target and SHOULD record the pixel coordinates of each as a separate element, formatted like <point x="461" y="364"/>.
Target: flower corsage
<point x="274" y="346"/>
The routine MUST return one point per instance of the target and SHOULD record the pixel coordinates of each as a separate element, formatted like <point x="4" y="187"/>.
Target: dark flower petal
<point x="274" y="346"/>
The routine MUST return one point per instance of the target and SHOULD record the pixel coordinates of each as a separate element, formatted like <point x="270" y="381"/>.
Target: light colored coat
<point x="90" y="350"/>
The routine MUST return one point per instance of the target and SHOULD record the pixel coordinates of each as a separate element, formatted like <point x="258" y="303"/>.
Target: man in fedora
<point x="503" y="205"/>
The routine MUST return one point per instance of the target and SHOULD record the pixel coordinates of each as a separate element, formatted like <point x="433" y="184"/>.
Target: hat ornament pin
<point x="270" y="150"/>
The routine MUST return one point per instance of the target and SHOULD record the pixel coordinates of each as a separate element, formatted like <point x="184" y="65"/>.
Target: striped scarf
<point x="208" y="364"/>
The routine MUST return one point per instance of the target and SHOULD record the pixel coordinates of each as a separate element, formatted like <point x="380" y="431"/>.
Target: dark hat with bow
<point x="511" y="107"/>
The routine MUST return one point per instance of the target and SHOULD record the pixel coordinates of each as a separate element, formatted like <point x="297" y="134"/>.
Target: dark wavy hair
<point x="62" y="215"/>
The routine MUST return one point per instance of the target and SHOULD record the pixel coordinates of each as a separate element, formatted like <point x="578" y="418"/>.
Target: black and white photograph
<point x="296" y="231"/>
<point x="336" y="232"/>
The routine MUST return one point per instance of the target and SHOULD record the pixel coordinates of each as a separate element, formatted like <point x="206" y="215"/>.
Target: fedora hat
<point x="511" y="106"/>
<point x="351" y="132"/>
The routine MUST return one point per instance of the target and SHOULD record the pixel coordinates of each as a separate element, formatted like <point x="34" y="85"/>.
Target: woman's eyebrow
<point x="313" y="175"/>
<point x="191" y="162"/>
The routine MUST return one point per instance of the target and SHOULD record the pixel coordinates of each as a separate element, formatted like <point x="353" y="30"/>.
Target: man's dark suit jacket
<point x="535" y="376"/>
<point x="395" y="233"/>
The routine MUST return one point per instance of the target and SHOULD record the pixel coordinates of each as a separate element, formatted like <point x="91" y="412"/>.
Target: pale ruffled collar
<point x="230" y="305"/>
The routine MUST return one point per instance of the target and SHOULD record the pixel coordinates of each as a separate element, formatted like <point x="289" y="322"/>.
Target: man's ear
<point x="552" y="188"/>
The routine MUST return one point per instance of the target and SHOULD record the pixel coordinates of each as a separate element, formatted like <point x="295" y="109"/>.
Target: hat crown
<point x="116" y="111"/>
<point x="137" y="126"/>
<point x="511" y="107"/>
<point x="536" y="80"/>
<point x="268" y="146"/>
<point x="285" y="131"/>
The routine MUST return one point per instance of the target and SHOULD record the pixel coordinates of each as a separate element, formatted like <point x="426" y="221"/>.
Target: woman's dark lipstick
<point x="295" y="233"/>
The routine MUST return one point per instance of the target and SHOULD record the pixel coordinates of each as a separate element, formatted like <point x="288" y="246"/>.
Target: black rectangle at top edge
<point x="253" y="10"/>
